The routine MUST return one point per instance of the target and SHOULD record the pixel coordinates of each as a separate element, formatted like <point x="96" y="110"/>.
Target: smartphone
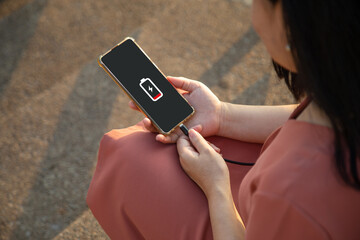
<point x="130" y="67"/>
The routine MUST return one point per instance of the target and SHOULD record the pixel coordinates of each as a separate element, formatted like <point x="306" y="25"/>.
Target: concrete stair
<point x="56" y="103"/>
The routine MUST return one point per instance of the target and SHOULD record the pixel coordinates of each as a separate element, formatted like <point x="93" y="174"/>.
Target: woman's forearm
<point x="252" y="123"/>
<point x="225" y="219"/>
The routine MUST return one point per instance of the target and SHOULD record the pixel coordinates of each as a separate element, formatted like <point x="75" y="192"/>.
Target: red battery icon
<point x="150" y="89"/>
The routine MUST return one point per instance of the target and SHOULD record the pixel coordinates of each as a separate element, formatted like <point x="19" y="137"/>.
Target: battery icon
<point x="150" y="89"/>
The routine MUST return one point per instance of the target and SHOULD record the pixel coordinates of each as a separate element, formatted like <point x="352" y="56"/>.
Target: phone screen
<point x="146" y="85"/>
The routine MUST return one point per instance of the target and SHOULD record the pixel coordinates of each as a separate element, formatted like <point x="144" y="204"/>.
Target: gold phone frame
<point x="102" y="65"/>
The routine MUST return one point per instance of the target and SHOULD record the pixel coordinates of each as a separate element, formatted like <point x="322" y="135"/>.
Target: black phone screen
<point x="142" y="80"/>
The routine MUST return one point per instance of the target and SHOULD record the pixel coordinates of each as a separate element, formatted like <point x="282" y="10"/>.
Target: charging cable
<point x="185" y="130"/>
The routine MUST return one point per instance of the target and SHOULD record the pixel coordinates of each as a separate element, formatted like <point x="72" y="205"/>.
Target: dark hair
<point x="325" y="42"/>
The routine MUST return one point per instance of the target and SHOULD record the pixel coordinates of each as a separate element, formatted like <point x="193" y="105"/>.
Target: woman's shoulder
<point x="299" y="148"/>
<point x="300" y="136"/>
<point x="300" y="153"/>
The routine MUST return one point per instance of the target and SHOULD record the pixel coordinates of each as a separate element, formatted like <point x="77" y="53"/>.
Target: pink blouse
<point x="294" y="191"/>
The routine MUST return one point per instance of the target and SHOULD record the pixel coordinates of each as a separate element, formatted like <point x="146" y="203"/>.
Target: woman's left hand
<point x="202" y="163"/>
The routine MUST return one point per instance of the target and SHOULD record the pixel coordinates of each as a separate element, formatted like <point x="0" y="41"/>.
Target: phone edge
<point x="193" y="110"/>
<point x="131" y="97"/>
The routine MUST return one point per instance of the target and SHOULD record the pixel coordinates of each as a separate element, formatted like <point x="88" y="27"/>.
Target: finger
<point x="172" y="138"/>
<point x="198" y="141"/>
<point x="185" y="149"/>
<point x="182" y="92"/>
<point x="132" y="105"/>
<point x="148" y="125"/>
<point x="198" y="128"/>
<point x="214" y="147"/>
<point x="183" y="83"/>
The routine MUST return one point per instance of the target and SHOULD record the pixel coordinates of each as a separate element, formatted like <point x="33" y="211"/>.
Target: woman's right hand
<point x="207" y="109"/>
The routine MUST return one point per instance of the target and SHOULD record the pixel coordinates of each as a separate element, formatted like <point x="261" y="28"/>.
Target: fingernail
<point x="192" y="133"/>
<point x="147" y="121"/>
<point x="216" y="148"/>
<point x="158" y="138"/>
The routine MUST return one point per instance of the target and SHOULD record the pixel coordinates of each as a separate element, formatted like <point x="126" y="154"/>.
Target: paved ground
<point x="56" y="103"/>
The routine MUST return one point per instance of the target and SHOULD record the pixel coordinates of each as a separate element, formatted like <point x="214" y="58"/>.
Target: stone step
<point x="46" y="40"/>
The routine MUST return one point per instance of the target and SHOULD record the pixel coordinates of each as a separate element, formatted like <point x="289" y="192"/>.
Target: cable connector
<point x="184" y="129"/>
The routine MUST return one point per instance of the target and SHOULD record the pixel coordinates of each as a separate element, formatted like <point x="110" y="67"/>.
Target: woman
<point x="305" y="183"/>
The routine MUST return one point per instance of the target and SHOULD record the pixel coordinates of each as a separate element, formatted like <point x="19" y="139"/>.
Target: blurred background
<point x="56" y="103"/>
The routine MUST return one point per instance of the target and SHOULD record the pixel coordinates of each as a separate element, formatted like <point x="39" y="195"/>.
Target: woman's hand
<point x="208" y="169"/>
<point x="203" y="164"/>
<point x="207" y="109"/>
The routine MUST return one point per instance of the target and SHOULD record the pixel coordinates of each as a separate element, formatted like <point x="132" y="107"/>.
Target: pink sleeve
<point x="272" y="217"/>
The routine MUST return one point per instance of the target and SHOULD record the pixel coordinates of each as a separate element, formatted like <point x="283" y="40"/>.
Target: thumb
<point x="183" y="83"/>
<point x="198" y="141"/>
